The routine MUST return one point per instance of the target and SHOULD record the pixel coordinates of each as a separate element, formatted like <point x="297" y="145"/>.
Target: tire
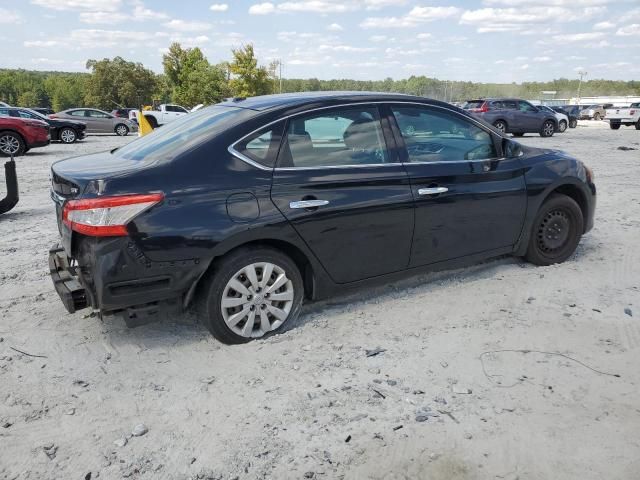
<point x="230" y="272"/>
<point x="614" y="126"/>
<point x="638" y="125"/>
<point x="548" y="129"/>
<point x="556" y="231"/>
<point x="562" y="126"/>
<point x="67" y="135"/>
<point x="596" y="116"/>
<point x="501" y="125"/>
<point x="152" y="121"/>
<point x="573" y="123"/>
<point x="121" y="130"/>
<point x="11" y="143"/>
<point x="518" y="134"/>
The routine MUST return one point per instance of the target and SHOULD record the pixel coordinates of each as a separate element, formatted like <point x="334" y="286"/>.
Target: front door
<point x="530" y="116"/>
<point x="468" y="201"/>
<point x="345" y="192"/>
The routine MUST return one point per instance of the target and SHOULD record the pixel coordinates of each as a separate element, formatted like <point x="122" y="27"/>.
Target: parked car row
<point x="516" y="116"/>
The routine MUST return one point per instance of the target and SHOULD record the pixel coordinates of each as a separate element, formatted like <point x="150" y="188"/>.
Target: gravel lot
<point x="310" y="403"/>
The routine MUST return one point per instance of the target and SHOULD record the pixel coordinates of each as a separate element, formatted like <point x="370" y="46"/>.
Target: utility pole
<point x="280" y="64"/>
<point x="582" y="74"/>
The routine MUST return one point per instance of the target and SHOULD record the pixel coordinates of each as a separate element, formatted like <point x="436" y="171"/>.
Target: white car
<point x="162" y="115"/>
<point x="2" y="104"/>
<point x="563" y="120"/>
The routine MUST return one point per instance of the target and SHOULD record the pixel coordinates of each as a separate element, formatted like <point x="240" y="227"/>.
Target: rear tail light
<point x="106" y="216"/>
<point x="483" y="108"/>
<point x="53" y="115"/>
<point x="632" y="112"/>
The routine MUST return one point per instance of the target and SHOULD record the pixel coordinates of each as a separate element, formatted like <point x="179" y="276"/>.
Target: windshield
<point x="37" y="114"/>
<point x="185" y="133"/>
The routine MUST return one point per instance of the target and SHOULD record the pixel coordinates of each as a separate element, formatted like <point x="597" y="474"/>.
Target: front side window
<point x="526" y="107"/>
<point x="433" y="136"/>
<point x="24" y="114"/>
<point x="336" y="137"/>
<point x="77" y="113"/>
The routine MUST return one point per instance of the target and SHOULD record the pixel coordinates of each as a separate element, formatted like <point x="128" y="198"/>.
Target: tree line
<point x="189" y="78"/>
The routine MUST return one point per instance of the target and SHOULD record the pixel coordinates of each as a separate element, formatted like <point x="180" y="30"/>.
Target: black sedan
<point x="246" y="208"/>
<point x="65" y="131"/>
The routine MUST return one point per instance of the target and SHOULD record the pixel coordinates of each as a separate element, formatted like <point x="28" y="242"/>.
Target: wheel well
<point x="293" y="252"/>
<point x="15" y="132"/>
<point x="576" y="194"/>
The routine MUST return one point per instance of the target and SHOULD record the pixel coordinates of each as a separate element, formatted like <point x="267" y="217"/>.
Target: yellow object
<point x="144" y="126"/>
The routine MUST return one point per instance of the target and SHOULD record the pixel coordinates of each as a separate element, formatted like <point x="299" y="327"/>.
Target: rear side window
<point x="433" y="136"/>
<point x="77" y="113"/>
<point x="262" y="146"/>
<point x="336" y="137"/>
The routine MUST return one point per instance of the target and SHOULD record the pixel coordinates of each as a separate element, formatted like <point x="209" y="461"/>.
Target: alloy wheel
<point x="257" y="300"/>
<point x="501" y="126"/>
<point x="68" y="136"/>
<point x="122" y="130"/>
<point x="548" y="129"/>
<point x="9" y="144"/>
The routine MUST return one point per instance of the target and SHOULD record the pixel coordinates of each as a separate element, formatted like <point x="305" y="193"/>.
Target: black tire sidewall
<point x="569" y="205"/>
<point x="21" y="148"/>
<point x="573" y="123"/>
<point x="503" y="123"/>
<point x="208" y="302"/>
<point x="542" y="132"/>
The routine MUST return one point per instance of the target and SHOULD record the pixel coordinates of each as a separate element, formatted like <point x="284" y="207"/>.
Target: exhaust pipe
<point x="11" y="199"/>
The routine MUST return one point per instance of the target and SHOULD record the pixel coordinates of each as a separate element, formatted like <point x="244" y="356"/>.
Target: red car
<point x="18" y="135"/>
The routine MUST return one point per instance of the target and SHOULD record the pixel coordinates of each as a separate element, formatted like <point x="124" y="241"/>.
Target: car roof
<point x="268" y="102"/>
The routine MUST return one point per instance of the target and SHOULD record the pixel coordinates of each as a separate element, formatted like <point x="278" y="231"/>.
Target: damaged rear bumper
<point x="65" y="280"/>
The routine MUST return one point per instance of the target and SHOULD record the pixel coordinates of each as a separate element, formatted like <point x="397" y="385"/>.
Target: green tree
<point x="248" y="79"/>
<point x="28" y="99"/>
<point x="118" y="82"/>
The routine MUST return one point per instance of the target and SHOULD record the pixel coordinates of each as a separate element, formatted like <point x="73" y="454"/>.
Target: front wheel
<point x="11" y="144"/>
<point x="596" y="116"/>
<point x="501" y="125"/>
<point x="562" y="126"/>
<point x="249" y="294"/>
<point x="68" y="135"/>
<point x="556" y="231"/>
<point x="122" y="130"/>
<point x="548" y="129"/>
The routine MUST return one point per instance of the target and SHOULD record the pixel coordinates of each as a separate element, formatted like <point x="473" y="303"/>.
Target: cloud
<point x="9" y="16"/>
<point x="187" y="26"/>
<point x="219" y="7"/>
<point x="542" y="59"/>
<point x="378" y="4"/>
<point x="554" y="3"/>
<point x="335" y="27"/>
<point x="522" y="20"/>
<point x="629" y="30"/>
<point x="344" y="49"/>
<point x="579" y="37"/>
<point x="89" y="5"/>
<point x="42" y="43"/>
<point x="262" y="8"/>
<point x="604" y="25"/>
<point x="414" y="18"/>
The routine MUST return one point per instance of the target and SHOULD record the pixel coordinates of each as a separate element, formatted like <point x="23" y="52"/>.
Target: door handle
<point x="432" y="190"/>
<point x="308" y="203"/>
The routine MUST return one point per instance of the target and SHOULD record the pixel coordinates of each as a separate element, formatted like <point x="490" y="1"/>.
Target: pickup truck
<point x="163" y="114"/>
<point x="624" y="116"/>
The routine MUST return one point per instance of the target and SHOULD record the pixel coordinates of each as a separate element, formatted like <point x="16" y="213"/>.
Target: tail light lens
<point x="106" y="216"/>
<point x="632" y="112"/>
<point x="53" y="115"/>
<point x="482" y="109"/>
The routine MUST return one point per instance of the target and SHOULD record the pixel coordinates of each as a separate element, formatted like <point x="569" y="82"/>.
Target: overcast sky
<point x="475" y="40"/>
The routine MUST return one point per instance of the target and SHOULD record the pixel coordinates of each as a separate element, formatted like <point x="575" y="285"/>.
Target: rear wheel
<point x="597" y="116"/>
<point x="68" y="135"/>
<point x="249" y="294"/>
<point x="152" y="121"/>
<point x="501" y="125"/>
<point x="518" y="134"/>
<point x="556" y="231"/>
<point x="614" y="126"/>
<point x="638" y="125"/>
<point x="11" y="144"/>
<point x="548" y="129"/>
<point x="122" y="130"/>
<point x="573" y="123"/>
<point x="562" y="126"/>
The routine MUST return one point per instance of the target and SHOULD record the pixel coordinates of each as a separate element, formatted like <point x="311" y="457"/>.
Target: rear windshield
<point x="184" y="133"/>
<point x="473" y="104"/>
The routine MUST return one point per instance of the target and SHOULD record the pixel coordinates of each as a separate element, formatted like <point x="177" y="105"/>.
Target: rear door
<point x="468" y="200"/>
<point x="345" y="192"/>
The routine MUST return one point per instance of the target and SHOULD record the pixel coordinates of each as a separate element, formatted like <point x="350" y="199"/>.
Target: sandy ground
<point x="310" y="403"/>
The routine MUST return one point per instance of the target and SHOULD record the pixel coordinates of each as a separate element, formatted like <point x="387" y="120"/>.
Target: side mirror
<point x="511" y="148"/>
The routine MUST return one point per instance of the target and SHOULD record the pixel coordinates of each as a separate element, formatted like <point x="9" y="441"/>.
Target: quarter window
<point x="262" y="146"/>
<point x="433" y="136"/>
<point x="337" y="137"/>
